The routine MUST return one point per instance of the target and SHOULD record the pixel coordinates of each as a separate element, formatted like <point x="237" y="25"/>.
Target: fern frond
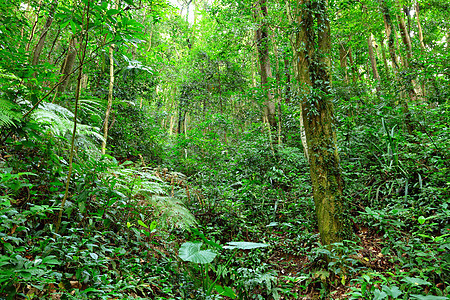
<point x="9" y="113"/>
<point x="172" y="211"/>
<point x="144" y="187"/>
<point x="59" y="121"/>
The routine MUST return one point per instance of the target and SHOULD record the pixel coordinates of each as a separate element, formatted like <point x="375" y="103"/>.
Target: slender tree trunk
<point x="355" y="73"/>
<point x="40" y="45"/>
<point x="389" y="33"/>
<point x="386" y="66"/>
<point x="262" y="41"/>
<point x="405" y="35"/>
<point x="68" y="65"/>
<point x="110" y="91"/>
<point x="287" y="73"/>
<point x="278" y="80"/>
<point x="343" y="60"/>
<point x="53" y="47"/>
<point x="419" y="27"/>
<point x="391" y="39"/>
<point x="373" y="61"/>
<point x="110" y="97"/>
<point x="313" y="72"/>
<point x="77" y="97"/>
<point x="33" y="29"/>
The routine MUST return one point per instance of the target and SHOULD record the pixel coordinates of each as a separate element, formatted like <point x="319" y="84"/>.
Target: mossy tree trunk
<point x="265" y="71"/>
<point x="312" y="49"/>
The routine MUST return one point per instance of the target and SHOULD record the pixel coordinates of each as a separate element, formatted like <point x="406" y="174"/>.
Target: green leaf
<point x="50" y="260"/>
<point x="394" y="291"/>
<point x="153" y="225"/>
<point x="9" y="247"/>
<point x="129" y="224"/>
<point x="94" y="255"/>
<point x="415" y="281"/>
<point x="421" y="220"/>
<point x="203" y="237"/>
<point x="428" y="297"/>
<point x="225" y="291"/>
<point x="142" y="224"/>
<point x="379" y="295"/>
<point x="191" y="252"/>
<point x="245" y="245"/>
<point x="111" y="12"/>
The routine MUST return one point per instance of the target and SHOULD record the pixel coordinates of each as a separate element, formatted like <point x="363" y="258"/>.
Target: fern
<point x="145" y="189"/>
<point x="59" y="122"/>
<point x="9" y="113"/>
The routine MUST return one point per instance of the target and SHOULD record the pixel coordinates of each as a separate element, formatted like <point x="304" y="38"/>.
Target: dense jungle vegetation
<point x="250" y="149"/>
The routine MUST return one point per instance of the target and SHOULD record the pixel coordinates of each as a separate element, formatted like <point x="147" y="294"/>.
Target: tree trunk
<point x="33" y="29"/>
<point x="373" y="61"/>
<point x="419" y="27"/>
<point x="110" y="97"/>
<point x="278" y="80"/>
<point x="405" y="35"/>
<point x="262" y="42"/>
<point x="40" y="45"/>
<point x="287" y="73"/>
<point x="312" y="51"/>
<point x="389" y="32"/>
<point x="386" y="67"/>
<point x="355" y="73"/>
<point x="68" y="65"/>
<point x="343" y="61"/>
<point x="110" y="91"/>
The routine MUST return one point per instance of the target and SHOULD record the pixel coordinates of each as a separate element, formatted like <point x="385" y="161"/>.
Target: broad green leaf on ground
<point x="428" y="297"/>
<point x="244" y="245"/>
<point x="393" y="291"/>
<point x="415" y="281"/>
<point x="191" y="252"/>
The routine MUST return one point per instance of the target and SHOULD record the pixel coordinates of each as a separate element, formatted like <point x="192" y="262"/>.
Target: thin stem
<point x="72" y="145"/>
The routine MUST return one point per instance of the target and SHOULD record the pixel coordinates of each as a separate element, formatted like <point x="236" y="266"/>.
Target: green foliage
<point x="186" y="100"/>
<point x="59" y="122"/>
<point x="134" y="133"/>
<point x="9" y="114"/>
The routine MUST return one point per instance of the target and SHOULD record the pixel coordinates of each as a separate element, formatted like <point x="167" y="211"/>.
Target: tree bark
<point x="40" y="45"/>
<point x="419" y="27"/>
<point x="68" y="65"/>
<point x="262" y="42"/>
<point x="110" y="97"/>
<point x="33" y="29"/>
<point x="343" y="61"/>
<point x="373" y="61"/>
<point x="405" y="35"/>
<point x="389" y="33"/>
<point x="312" y="49"/>
<point x="355" y="74"/>
<point x="386" y="66"/>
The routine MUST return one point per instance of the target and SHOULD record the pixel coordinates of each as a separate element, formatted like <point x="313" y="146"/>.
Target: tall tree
<point x="67" y="65"/>
<point x="312" y="49"/>
<point x="110" y="93"/>
<point x="265" y="71"/>
<point x="40" y="45"/>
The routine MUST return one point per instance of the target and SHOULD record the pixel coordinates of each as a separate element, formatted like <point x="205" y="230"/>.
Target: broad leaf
<point x="415" y="281"/>
<point x="394" y="291"/>
<point x="428" y="297"/>
<point x="244" y="245"/>
<point x="225" y="291"/>
<point x="191" y="252"/>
